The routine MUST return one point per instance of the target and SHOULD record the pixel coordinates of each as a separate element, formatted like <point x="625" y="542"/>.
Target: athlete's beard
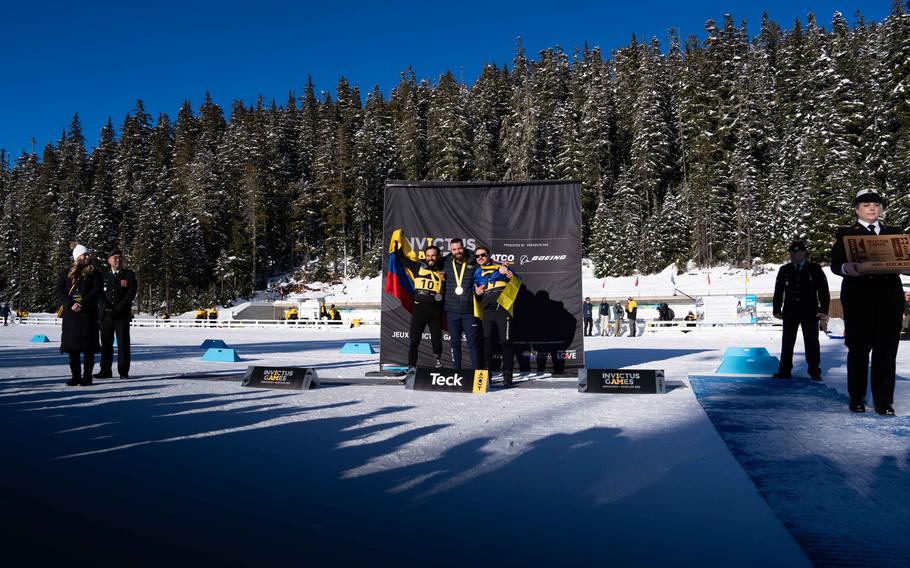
<point x="459" y="256"/>
<point x="431" y="263"/>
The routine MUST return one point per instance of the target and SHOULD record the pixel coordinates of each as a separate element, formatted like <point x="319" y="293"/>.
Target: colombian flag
<point x="399" y="280"/>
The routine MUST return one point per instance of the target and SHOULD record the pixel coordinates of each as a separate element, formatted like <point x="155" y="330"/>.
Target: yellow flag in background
<point x="509" y="293"/>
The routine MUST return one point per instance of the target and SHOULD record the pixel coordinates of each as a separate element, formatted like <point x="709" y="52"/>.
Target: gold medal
<point x="459" y="277"/>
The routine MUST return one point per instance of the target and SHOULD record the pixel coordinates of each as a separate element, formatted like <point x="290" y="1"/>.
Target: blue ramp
<point x="746" y="352"/>
<point x="358" y="349"/>
<point x="213" y="344"/>
<point x="221" y="355"/>
<point x="838" y="481"/>
<point x="40" y="339"/>
<point x="739" y="365"/>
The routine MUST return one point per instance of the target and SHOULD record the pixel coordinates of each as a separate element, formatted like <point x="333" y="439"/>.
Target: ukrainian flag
<point x="506" y="298"/>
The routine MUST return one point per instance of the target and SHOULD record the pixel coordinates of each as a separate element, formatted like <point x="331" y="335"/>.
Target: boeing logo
<point x="525" y="259"/>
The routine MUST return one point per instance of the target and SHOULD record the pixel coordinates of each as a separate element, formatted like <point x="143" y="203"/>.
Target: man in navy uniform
<point x="873" y="305"/>
<point x="801" y="298"/>
<point x="115" y="308"/>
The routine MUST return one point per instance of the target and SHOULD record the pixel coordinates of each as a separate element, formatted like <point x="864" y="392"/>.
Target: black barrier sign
<point x="534" y="226"/>
<point x="449" y="380"/>
<point x="634" y="381"/>
<point x="280" y="378"/>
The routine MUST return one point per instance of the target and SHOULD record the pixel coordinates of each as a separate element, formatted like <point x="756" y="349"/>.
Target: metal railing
<point x="202" y="324"/>
<point x="682" y="325"/>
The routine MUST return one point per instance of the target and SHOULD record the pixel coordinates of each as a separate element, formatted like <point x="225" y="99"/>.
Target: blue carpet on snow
<point x="838" y="481"/>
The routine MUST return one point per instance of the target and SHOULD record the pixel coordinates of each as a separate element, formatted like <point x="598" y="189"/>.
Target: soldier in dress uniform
<point x="801" y="299"/>
<point x="115" y="308"/>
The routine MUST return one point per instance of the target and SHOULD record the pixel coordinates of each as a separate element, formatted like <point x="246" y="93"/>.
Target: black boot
<point x="507" y="378"/>
<point x="75" y="370"/>
<point x="88" y="364"/>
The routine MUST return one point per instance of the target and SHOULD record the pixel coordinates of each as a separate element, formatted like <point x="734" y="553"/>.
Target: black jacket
<point x="801" y="293"/>
<point x="463" y="304"/>
<point x="874" y="287"/>
<point x="80" y="329"/>
<point x="588" y="310"/>
<point x="119" y="291"/>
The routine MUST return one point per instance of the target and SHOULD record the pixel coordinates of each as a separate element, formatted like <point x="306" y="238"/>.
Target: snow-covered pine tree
<point x="186" y="138"/>
<point x="374" y="159"/>
<point x="626" y="64"/>
<point x="549" y="92"/>
<point x="25" y="222"/>
<point x="570" y="157"/>
<point x="897" y="112"/>
<point x="96" y="223"/>
<point x="410" y="134"/>
<point x="827" y="159"/>
<point x="449" y="156"/>
<point x="488" y="101"/>
<point x="309" y="131"/>
<point x="133" y="171"/>
<point x="520" y="126"/>
<point x="596" y="133"/>
<point x="70" y="192"/>
<point x="651" y="162"/>
<point x="601" y="224"/>
<point x="706" y="164"/>
<point x="618" y="236"/>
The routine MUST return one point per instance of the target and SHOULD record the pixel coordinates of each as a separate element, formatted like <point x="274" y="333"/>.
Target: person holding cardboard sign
<point x="873" y="305"/>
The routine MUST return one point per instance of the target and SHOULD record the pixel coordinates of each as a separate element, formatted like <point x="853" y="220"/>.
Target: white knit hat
<point x="78" y="251"/>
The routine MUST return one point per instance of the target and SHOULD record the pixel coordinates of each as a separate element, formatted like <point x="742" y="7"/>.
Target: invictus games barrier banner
<point x="534" y="226"/>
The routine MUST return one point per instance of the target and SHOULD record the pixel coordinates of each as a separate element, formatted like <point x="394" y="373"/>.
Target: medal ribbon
<point x="459" y="277"/>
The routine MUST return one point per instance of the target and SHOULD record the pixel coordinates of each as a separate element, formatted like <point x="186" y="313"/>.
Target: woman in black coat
<point x="77" y="291"/>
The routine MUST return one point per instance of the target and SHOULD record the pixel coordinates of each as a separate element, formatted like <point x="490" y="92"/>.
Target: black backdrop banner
<point x="535" y="226"/>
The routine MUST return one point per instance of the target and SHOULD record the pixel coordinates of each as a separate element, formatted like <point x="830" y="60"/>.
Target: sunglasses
<point x="481" y="255"/>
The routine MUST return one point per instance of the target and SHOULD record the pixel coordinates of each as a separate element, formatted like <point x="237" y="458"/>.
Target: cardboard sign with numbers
<point x="879" y="254"/>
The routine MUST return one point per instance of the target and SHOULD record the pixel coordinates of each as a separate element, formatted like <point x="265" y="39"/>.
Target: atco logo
<point x="440" y="379"/>
<point x="542" y="258"/>
<point x="504" y="257"/>
<point x="570" y="354"/>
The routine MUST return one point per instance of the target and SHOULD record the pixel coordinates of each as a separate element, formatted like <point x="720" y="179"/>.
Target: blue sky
<point x="59" y="58"/>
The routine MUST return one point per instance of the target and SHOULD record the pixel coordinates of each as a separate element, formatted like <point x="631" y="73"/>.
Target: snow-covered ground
<point x="181" y="464"/>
